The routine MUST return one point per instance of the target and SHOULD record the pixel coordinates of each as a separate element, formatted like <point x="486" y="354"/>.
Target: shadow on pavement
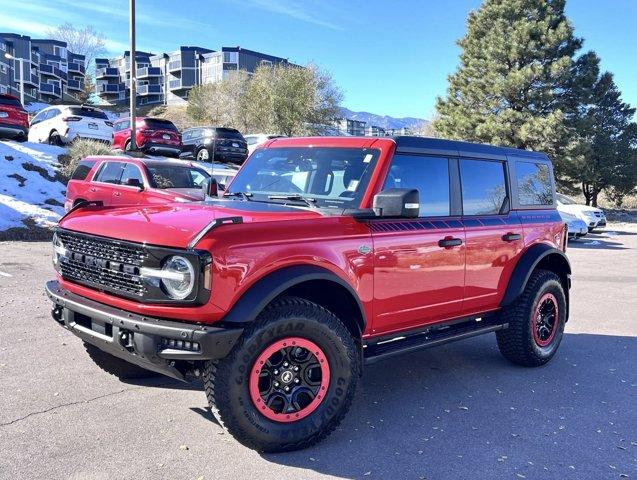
<point x="462" y="411"/>
<point x="600" y="241"/>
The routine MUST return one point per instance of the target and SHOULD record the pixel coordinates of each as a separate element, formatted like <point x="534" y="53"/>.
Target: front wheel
<point x="55" y="139"/>
<point x="289" y="381"/>
<point x="536" y="321"/>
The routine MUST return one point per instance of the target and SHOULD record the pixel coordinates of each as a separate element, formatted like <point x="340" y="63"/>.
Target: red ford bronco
<point x="323" y="255"/>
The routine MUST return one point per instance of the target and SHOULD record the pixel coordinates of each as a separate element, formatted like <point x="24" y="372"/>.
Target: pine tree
<point x="519" y="81"/>
<point x="610" y="159"/>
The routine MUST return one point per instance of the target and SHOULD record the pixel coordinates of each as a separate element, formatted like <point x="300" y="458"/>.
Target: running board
<point x="374" y="351"/>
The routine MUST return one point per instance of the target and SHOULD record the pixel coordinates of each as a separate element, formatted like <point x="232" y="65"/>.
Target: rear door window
<point x="483" y="187"/>
<point x="428" y="175"/>
<point x="82" y="170"/>
<point x="534" y="183"/>
<point x="111" y="172"/>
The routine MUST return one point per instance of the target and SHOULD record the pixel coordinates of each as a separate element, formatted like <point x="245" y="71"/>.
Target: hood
<point x="174" y="224"/>
<point x="575" y="209"/>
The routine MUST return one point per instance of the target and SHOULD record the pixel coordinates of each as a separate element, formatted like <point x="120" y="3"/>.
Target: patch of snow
<point x="593" y="242"/>
<point x="27" y="202"/>
<point x="610" y="234"/>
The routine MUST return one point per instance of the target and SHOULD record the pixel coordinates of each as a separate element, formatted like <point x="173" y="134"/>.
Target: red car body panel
<point x="408" y="281"/>
<point x="120" y="195"/>
<point x="145" y="135"/>
<point x="13" y="116"/>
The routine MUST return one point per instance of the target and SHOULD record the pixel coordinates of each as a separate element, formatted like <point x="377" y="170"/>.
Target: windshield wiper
<point x="310" y="202"/>
<point x="245" y="195"/>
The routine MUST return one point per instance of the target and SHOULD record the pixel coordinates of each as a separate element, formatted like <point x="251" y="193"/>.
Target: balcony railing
<point x="106" y="72"/>
<point x="149" y="89"/>
<point x="76" y="67"/>
<point x="50" y="89"/>
<point x="108" y="88"/>
<point x="75" y="85"/>
<point x="148" y="72"/>
<point x="52" y="71"/>
<point x="174" y="65"/>
<point x="175" y="84"/>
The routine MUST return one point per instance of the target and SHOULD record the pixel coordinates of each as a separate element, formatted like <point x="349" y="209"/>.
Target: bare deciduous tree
<point x="85" y="40"/>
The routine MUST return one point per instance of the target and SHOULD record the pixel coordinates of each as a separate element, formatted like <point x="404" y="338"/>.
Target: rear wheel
<point x="127" y="146"/>
<point x="203" y="155"/>
<point x="289" y="381"/>
<point x="536" y="321"/>
<point x="116" y="366"/>
<point x="55" y="139"/>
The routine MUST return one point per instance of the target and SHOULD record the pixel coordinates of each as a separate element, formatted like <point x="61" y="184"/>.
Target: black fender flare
<point x="266" y="289"/>
<point x="527" y="263"/>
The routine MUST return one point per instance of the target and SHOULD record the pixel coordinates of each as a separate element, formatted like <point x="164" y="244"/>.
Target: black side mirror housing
<point x="210" y="187"/>
<point x="397" y="202"/>
<point x="135" y="182"/>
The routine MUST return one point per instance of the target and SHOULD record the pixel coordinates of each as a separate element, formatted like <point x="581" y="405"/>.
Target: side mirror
<point x="210" y="187"/>
<point x="135" y="182"/>
<point x="397" y="202"/>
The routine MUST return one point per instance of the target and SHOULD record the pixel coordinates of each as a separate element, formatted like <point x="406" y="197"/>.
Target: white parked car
<point x="594" y="217"/>
<point x="61" y="124"/>
<point x="576" y="226"/>
<point x="254" y="140"/>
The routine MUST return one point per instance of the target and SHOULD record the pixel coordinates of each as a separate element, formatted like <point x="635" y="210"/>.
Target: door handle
<point x="93" y="189"/>
<point x="117" y="194"/>
<point x="511" y="237"/>
<point x="449" y="242"/>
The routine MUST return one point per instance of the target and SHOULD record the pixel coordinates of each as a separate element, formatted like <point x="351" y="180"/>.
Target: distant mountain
<point x="384" y="121"/>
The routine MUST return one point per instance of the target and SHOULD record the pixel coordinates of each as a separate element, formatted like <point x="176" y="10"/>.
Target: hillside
<point x="31" y="197"/>
<point x="384" y="121"/>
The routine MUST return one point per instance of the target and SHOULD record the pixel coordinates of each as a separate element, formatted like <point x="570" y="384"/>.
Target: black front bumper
<point x="164" y="346"/>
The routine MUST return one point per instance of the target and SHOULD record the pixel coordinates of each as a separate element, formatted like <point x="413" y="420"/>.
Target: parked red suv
<point x="154" y="135"/>
<point x="323" y="255"/>
<point x="117" y="181"/>
<point x="14" y="120"/>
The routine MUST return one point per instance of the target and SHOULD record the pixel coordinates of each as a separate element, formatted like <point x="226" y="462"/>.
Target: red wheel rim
<point x="289" y="379"/>
<point x="545" y="320"/>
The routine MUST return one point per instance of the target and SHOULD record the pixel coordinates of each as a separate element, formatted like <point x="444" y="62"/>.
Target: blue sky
<point x="391" y="60"/>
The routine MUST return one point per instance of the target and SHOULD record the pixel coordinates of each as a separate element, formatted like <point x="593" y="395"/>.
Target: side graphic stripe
<point x="515" y="218"/>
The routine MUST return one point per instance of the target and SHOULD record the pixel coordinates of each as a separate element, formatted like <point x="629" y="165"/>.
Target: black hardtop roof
<point x="438" y="146"/>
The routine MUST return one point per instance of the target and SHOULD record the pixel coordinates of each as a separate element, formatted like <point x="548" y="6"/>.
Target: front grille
<point x="103" y="263"/>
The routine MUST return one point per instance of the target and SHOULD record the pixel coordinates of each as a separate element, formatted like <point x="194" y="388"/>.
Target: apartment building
<point x="167" y="78"/>
<point x="50" y="71"/>
<point x="350" y="126"/>
<point x="375" y="131"/>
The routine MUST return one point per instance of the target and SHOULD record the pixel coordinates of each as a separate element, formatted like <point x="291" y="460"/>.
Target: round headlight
<point x="178" y="278"/>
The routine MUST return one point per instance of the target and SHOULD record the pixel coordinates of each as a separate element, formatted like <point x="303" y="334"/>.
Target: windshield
<point x="175" y="176"/>
<point x="331" y="177"/>
<point x="87" y="112"/>
<point x="14" y="102"/>
<point x="159" y="124"/>
<point x="565" y="200"/>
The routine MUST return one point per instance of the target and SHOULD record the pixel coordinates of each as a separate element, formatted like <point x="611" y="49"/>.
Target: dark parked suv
<point x="214" y="144"/>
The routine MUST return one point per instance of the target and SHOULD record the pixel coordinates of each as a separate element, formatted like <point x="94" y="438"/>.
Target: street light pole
<point x="133" y="78"/>
<point x="21" y="62"/>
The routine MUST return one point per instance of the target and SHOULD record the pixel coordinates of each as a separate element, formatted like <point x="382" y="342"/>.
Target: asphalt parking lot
<point x="458" y="411"/>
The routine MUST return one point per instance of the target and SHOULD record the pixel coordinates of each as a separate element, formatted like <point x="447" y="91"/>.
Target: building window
<point x="3" y="47"/>
<point x="230" y="57"/>
<point x="3" y="68"/>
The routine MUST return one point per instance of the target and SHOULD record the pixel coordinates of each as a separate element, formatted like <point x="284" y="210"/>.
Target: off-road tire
<point x="226" y="380"/>
<point x="116" y="366"/>
<point x="517" y="343"/>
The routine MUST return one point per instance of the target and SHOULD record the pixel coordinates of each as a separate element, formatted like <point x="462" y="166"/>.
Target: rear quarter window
<point x="82" y="170"/>
<point x="535" y="186"/>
